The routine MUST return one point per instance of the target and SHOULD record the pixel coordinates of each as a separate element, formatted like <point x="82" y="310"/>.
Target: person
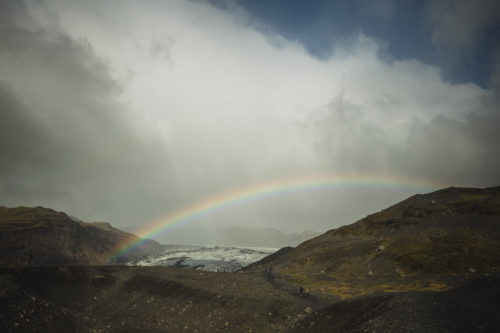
<point x="269" y="272"/>
<point x="301" y="291"/>
<point x="307" y="291"/>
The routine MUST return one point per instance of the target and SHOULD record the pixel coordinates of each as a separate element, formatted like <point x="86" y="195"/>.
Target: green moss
<point x="450" y="253"/>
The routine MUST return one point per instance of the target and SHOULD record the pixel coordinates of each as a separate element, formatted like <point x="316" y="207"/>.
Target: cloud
<point x="24" y="143"/>
<point x="459" y="24"/>
<point x="66" y="142"/>
<point x="401" y="119"/>
<point x="129" y="112"/>
<point x="465" y="34"/>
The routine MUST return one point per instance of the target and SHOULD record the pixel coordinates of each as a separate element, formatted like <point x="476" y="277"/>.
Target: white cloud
<point x="197" y="101"/>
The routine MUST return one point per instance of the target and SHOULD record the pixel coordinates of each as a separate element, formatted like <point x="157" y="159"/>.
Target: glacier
<point x="206" y="258"/>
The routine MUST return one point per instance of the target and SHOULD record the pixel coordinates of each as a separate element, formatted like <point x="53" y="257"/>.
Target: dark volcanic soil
<point x="162" y="299"/>
<point x="430" y="263"/>
<point x="472" y="307"/>
<point x="144" y="299"/>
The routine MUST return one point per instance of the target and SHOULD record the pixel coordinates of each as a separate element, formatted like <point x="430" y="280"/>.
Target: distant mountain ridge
<point x="236" y="235"/>
<point x="37" y="236"/>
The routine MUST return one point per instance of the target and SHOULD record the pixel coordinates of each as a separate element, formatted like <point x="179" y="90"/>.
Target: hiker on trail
<point x="270" y="272"/>
<point x="301" y="291"/>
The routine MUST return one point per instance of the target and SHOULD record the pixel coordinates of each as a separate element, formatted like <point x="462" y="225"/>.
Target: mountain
<point x="425" y="242"/>
<point x="261" y="237"/>
<point x="236" y="236"/>
<point x="41" y="236"/>
<point x="430" y="263"/>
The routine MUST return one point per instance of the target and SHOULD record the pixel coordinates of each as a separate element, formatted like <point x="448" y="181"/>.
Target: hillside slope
<point x="470" y="307"/>
<point x="430" y="263"/>
<point x="425" y="242"/>
<point x="41" y="236"/>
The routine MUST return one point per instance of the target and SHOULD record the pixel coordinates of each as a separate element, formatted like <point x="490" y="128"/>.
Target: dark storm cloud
<point x="26" y="147"/>
<point x="23" y="139"/>
<point x="64" y="140"/>
<point x="465" y="33"/>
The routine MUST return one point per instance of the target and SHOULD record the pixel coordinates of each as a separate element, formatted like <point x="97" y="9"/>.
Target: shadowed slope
<point x="42" y="236"/>
<point x="472" y="307"/>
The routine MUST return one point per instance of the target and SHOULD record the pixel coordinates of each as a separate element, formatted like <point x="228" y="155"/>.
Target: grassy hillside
<point x="425" y="242"/>
<point x="41" y="236"/>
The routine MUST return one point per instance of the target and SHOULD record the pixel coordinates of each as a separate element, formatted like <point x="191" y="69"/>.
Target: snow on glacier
<point x="207" y="258"/>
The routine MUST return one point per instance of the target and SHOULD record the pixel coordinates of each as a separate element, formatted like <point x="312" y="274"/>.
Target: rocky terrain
<point x="430" y="263"/>
<point x="144" y="299"/>
<point x="41" y="236"/>
<point x="164" y="299"/>
<point x="426" y="242"/>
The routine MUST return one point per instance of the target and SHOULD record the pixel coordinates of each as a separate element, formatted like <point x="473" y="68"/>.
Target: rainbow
<point x="259" y="192"/>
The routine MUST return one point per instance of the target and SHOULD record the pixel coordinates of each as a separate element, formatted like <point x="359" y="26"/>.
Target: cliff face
<point x="41" y="236"/>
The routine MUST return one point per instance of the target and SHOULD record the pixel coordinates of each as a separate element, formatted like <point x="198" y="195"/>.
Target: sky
<point x="129" y="111"/>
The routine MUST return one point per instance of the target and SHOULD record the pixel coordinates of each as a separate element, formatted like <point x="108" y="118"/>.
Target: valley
<point x="428" y="263"/>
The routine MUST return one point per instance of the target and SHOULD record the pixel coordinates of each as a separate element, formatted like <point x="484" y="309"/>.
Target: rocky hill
<point x="430" y="263"/>
<point x="425" y="242"/>
<point x="41" y="236"/>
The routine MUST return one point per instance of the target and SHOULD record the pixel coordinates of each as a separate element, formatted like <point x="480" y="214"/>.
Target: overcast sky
<point x="126" y="111"/>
